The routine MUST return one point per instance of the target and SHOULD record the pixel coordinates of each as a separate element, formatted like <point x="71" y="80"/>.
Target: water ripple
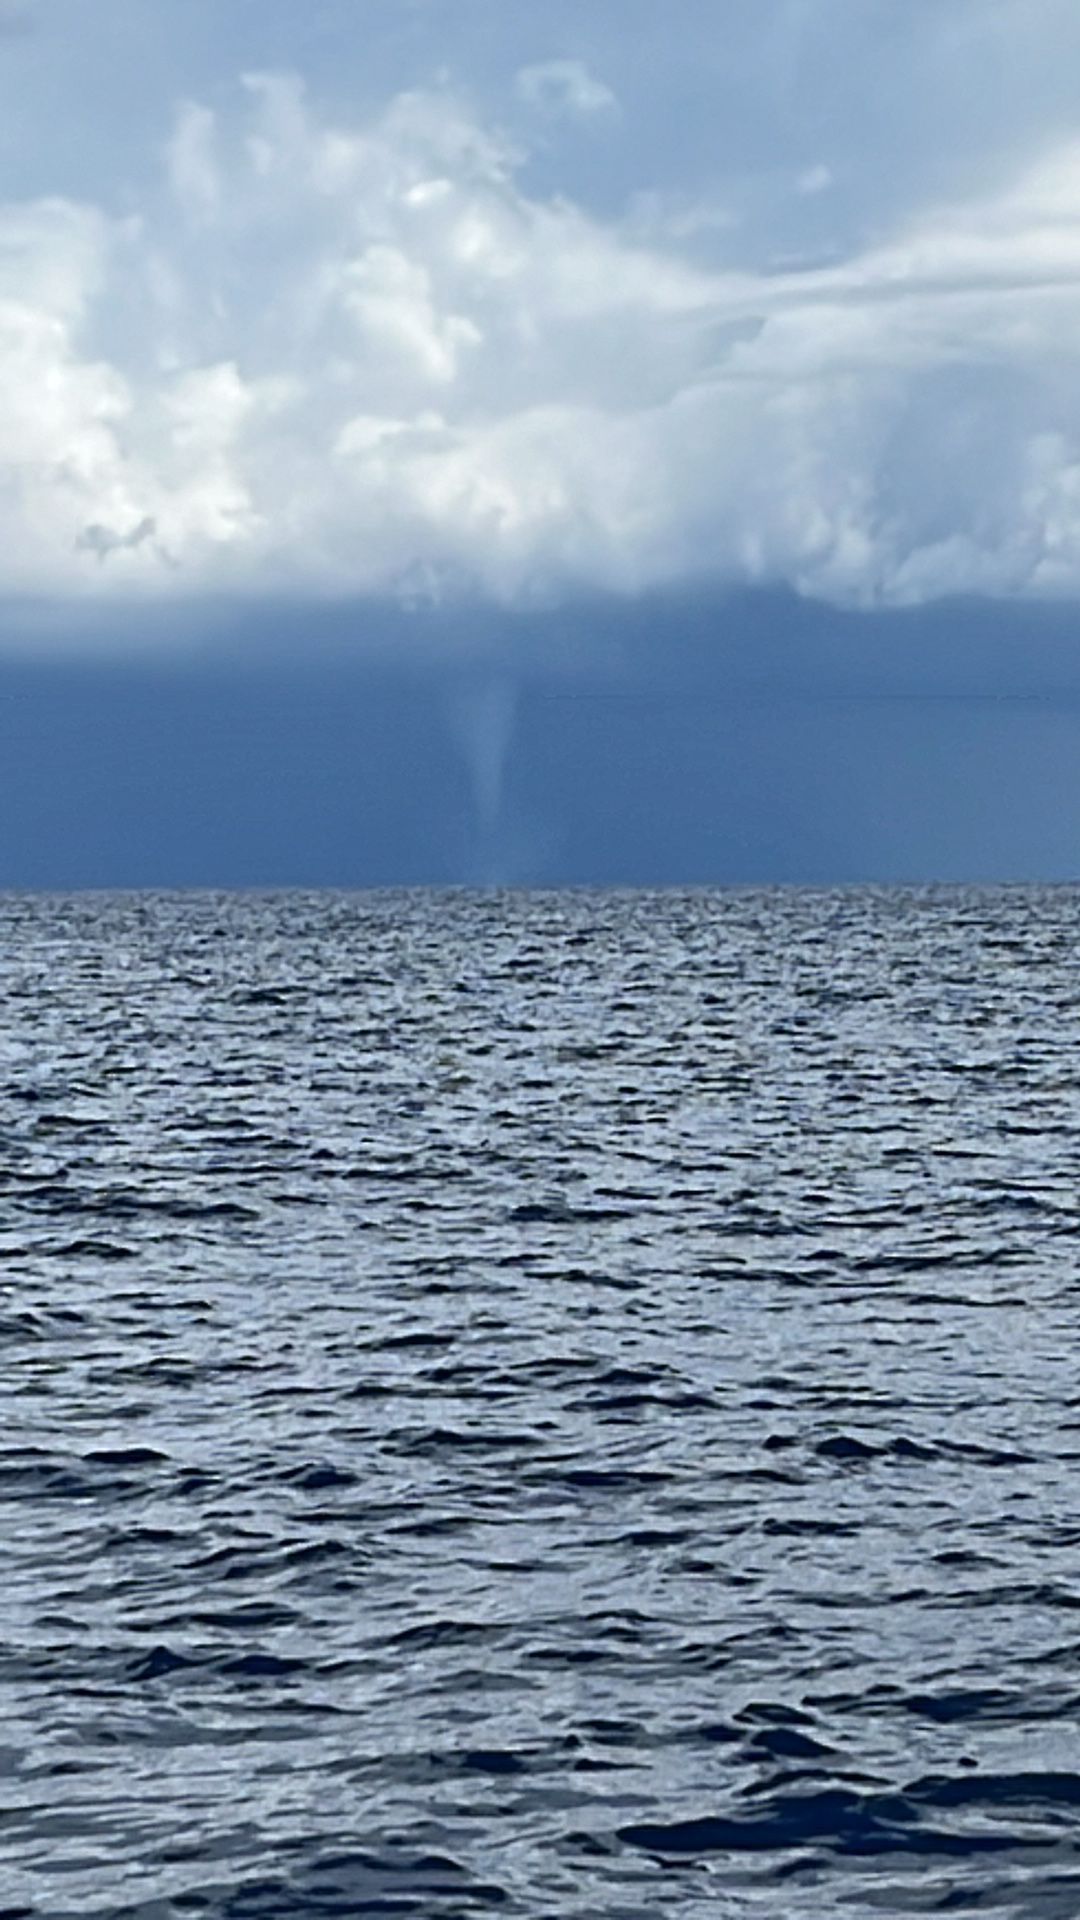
<point x="552" y="1404"/>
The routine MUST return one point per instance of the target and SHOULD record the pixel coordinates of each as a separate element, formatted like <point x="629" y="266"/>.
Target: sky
<point x="467" y="440"/>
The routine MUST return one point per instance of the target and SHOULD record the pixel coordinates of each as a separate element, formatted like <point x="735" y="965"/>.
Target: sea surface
<point x="559" y="1405"/>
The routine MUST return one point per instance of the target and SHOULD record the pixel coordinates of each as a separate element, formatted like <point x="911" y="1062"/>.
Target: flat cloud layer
<point x="341" y="359"/>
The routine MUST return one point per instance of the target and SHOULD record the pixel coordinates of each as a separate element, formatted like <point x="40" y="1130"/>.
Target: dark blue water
<point x="554" y="1405"/>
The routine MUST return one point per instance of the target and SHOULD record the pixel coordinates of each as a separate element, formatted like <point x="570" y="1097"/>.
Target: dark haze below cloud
<point x="758" y="739"/>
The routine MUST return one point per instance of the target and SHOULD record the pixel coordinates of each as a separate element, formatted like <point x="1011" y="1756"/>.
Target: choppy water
<point x="555" y="1405"/>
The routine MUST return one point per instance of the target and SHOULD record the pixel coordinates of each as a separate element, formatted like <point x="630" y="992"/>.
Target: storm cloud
<point x="381" y="348"/>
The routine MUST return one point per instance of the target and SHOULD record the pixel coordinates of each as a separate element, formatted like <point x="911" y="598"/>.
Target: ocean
<point x="562" y="1405"/>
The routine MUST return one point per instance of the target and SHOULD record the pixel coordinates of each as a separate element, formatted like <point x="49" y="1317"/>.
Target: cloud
<point x="817" y="179"/>
<point x="99" y="540"/>
<point x="192" y="162"/>
<point x="367" y="359"/>
<point x="564" y="87"/>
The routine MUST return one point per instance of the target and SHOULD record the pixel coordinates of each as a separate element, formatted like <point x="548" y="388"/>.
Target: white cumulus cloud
<point x="348" y="359"/>
<point x="564" y="86"/>
<point x="192" y="163"/>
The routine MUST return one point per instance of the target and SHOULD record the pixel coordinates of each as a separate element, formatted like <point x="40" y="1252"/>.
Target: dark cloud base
<point x="690" y="742"/>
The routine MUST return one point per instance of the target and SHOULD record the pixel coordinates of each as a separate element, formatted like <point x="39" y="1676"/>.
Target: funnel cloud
<point x="482" y="718"/>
